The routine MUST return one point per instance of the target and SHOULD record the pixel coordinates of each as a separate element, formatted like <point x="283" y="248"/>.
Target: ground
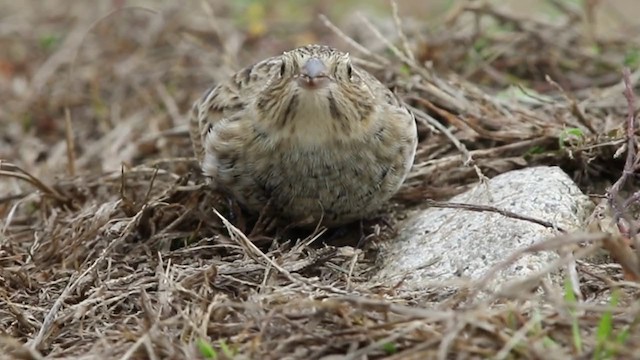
<point x="110" y="246"/>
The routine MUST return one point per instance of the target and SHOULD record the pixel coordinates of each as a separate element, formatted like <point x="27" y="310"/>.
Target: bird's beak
<point x="313" y="73"/>
<point x="314" y="68"/>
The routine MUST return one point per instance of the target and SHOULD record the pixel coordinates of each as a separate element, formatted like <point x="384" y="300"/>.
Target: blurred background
<point x="127" y="71"/>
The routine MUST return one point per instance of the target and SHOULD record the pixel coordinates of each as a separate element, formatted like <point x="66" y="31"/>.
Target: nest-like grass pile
<point x="110" y="246"/>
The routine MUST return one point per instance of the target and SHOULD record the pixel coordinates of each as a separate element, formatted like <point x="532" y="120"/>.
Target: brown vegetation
<point x="111" y="248"/>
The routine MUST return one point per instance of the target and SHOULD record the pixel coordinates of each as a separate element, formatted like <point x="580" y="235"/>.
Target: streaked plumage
<point x="318" y="136"/>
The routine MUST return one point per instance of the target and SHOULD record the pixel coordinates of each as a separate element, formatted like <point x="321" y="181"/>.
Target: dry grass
<point x="110" y="247"/>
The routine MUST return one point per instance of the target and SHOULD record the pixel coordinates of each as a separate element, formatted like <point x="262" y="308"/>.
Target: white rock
<point x="440" y="244"/>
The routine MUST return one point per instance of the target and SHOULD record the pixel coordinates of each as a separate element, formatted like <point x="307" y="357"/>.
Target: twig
<point x="402" y="56"/>
<point x="147" y="195"/>
<point x="549" y="244"/>
<point x="11" y="170"/>
<point x="629" y="165"/>
<point x="487" y="208"/>
<point x="403" y="37"/>
<point x="71" y="147"/>
<point x="349" y="40"/>
<point x="421" y="115"/>
<point x="251" y="250"/>
<point x="575" y="109"/>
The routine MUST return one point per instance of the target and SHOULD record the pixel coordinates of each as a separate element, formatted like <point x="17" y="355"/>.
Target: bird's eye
<point x="282" y="68"/>
<point x="349" y="71"/>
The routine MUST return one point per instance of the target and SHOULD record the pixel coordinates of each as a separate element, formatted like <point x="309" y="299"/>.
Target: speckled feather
<point x="335" y="153"/>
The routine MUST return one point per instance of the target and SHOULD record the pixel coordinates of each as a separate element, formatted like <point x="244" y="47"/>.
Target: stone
<point x="442" y="244"/>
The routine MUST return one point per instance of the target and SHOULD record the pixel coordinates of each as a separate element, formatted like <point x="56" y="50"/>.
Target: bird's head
<point x="317" y="87"/>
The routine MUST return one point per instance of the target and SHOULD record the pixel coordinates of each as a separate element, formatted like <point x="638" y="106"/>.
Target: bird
<point x="308" y="133"/>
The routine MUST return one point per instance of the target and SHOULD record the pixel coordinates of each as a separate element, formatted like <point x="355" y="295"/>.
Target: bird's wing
<point x="228" y="98"/>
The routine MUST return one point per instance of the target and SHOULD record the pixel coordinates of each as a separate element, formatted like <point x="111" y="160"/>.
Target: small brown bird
<point x="316" y="137"/>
